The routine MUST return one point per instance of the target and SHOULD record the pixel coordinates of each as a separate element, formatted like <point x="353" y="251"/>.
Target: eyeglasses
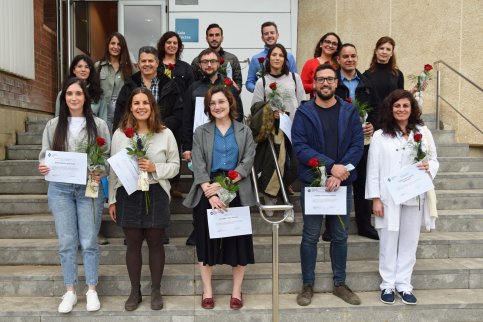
<point x="219" y="102"/>
<point x="331" y="43"/>
<point x="321" y="80"/>
<point x="206" y="61"/>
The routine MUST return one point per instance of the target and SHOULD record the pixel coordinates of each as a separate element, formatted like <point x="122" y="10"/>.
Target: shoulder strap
<point x="295" y="82"/>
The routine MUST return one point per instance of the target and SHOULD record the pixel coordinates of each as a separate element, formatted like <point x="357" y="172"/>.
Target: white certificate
<point x="286" y="125"/>
<point x="66" y="167"/>
<point x="127" y="170"/>
<point x="321" y="202"/>
<point x="200" y="116"/>
<point x="408" y="183"/>
<point x="235" y="221"/>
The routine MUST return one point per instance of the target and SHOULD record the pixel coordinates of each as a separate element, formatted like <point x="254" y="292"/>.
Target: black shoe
<point x="369" y="232"/>
<point x="191" y="241"/>
<point x="125" y="242"/>
<point x="326" y="236"/>
<point x="165" y="240"/>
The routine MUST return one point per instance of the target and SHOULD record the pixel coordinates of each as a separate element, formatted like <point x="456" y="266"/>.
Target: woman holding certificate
<point x="144" y="214"/>
<point x="77" y="217"/>
<point x="402" y="141"/>
<point x="222" y="146"/>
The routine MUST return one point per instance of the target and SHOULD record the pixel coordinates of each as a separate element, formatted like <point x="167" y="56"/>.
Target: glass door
<point x="142" y="23"/>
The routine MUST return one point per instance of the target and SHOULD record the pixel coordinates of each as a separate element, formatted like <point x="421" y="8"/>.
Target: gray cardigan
<point x="202" y="154"/>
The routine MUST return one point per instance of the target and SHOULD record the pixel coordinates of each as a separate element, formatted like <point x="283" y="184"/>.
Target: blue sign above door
<point x="187" y="29"/>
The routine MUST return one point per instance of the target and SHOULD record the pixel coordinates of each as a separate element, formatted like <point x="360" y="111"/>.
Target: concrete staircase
<point x="448" y="277"/>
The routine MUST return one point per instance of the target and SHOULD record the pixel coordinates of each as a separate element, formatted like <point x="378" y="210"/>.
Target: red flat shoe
<point x="207" y="303"/>
<point x="236" y="304"/>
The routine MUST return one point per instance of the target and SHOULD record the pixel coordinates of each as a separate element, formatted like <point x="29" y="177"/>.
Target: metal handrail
<point x="275" y="226"/>
<point x="439" y="97"/>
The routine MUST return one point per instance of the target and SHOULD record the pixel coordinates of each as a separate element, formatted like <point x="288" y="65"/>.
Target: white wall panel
<point x="17" y="37"/>
<point x="233" y="6"/>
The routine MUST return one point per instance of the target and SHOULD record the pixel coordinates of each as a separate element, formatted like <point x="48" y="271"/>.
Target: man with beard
<point x="328" y="129"/>
<point x="352" y="85"/>
<point x="269" y="37"/>
<point x="209" y="62"/>
<point x="230" y="67"/>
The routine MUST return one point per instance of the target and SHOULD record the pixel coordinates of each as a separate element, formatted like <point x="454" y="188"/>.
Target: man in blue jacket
<point x="329" y="129"/>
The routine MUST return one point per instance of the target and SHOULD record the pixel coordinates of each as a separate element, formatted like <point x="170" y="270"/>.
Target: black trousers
<point x="361" y="205"/>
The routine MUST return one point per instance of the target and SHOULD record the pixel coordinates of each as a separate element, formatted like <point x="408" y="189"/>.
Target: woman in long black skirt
<point x="219" y="146"/>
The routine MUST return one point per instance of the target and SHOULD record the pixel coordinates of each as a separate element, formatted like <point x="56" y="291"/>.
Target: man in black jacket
<point x="352" y="86"/>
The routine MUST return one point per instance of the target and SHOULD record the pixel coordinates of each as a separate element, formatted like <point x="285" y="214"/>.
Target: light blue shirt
<point x="351" y="84"/>
<point x="225" y="150"/>
<point x="255" y="66"/>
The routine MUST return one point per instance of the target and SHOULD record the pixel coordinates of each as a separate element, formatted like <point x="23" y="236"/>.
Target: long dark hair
<point x="162" y="42"/>
<point x="229" y="96"/>
<point x="392" y="61"/>
<point x="60" y="135"/>
<point x="387" y="121"/>
<point x="154" y="121"/>
<point x="318" y="49"/>
<point x="125" y="63"/>
<point x="285" y="69"/>
<point x="94" y="88"/>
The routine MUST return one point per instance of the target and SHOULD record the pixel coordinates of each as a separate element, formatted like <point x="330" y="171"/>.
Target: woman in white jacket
<point x="394" y="147"/>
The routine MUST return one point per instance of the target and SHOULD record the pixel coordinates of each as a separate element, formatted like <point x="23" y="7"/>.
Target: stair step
<point x="452" y="150"/>
<point x="184" y="279"/>
<point x="433" y="305"/>
<point x="458" y="180"/>
<point x="23" y="152"/>
<point x="460" y="164"/>
<point x="460" y="199"/>
<point x="19" y="167"/>
<point x="29" y="138"/>
<point x="443" y="137"/>
<point x="432" y="245"/>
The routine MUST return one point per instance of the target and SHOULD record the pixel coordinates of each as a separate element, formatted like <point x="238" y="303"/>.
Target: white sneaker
<point x="290" y="216"/>
<point x="93" y="303"/>
<point x="270" y="201"/>
<point x="69" y="299"/>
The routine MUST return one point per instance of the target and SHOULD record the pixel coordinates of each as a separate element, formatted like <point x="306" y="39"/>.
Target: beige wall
<point x="11" y="122"/>
<point x="425" y="31"/>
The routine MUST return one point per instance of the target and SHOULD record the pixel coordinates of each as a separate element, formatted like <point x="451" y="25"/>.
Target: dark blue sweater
<point x="308" y="139"/>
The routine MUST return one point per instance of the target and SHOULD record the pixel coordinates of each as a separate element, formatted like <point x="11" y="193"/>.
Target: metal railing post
<point x="275" y="234"/>
<point x="438" y="91"/>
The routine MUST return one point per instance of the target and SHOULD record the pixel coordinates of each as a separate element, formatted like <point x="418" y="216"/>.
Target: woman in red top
<point x="325" y="53"/>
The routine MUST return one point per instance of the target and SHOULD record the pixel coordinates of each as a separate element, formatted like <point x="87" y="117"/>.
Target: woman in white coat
<point x="394" y="147"/>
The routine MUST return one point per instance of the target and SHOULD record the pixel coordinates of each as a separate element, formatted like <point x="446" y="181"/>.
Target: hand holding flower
<point x="146" y="165"/>
<point x="368" y="129"/>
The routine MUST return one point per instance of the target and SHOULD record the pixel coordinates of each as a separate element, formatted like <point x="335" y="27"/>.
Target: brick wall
<point x="38" y="94"/>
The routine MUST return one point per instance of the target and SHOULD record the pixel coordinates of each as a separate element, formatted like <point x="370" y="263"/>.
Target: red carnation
<point x="428" y="67"/>
<point x="222" y="60"/>
<point x="228" y="82"/>
<point x="313" y="163"/>
<point x="171" y="66"/>
<point x="349" y="100"/>
<point x="273" y="86"/>
<point x="100" y="141"/>
<point x="232" y="175"/>
<point x="417" y="137"/>
<point x="261" y="60"/>
<point x="129" y="132"/>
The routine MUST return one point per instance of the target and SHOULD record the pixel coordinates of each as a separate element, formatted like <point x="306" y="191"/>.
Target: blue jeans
<point x="74" y="223"/>
<point x="338" y="244"/>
